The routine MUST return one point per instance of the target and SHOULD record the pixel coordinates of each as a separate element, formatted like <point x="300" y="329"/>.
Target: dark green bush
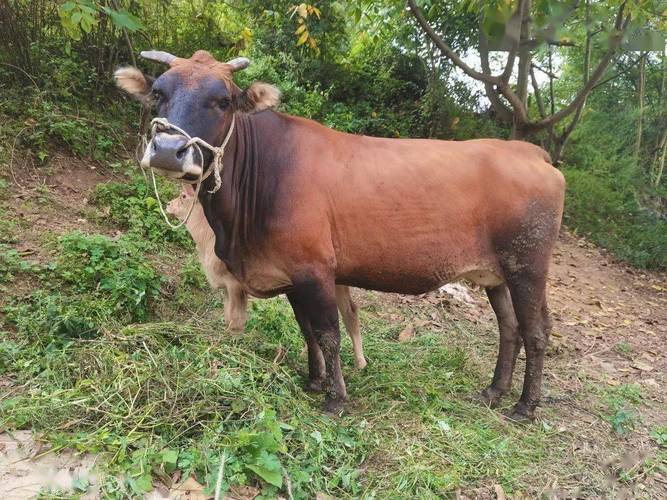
<point x="606" y="210"/>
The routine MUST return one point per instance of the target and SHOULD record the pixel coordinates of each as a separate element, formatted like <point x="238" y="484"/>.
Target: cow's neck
<point x="239" y="211"/>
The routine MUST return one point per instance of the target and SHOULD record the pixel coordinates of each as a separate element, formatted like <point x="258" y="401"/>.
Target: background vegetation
<point x="91" y="335"/>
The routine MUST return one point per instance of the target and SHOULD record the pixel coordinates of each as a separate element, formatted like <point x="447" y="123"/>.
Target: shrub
<point x="113" y="269"/>
<point x="131" y="205"/>
<point x="607" y="211"/>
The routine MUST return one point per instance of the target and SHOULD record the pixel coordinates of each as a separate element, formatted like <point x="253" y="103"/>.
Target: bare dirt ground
<point x="610" y="328"/>
<point x="609" y="331"/>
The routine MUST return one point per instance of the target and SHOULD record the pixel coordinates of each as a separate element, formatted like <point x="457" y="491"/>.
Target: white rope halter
<point x="198" y="143"/>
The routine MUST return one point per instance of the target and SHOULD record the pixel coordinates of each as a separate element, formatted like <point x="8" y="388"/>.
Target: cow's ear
<point x="257" y="97"/>
<point x="133" y="81"/>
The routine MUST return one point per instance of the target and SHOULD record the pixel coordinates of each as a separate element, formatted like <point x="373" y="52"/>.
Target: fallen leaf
<point x="242" y="493"/>
<point x="640" y="365"/>
<point x="406" y="334"/>
<point x="191" y="489"/>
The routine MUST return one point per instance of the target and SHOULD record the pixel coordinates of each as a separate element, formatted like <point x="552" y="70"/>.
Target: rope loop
<point x="161" y="124"/>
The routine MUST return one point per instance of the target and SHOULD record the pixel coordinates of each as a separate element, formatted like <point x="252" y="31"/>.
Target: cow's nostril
<point x="154" y="146"/>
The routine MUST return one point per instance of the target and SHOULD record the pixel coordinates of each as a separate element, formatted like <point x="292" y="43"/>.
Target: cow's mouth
<point x="171" y="155"/>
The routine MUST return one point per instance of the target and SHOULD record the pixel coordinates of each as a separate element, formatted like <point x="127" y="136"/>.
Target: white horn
<point x="239" y="63"/>
<point x="158" y="55"/>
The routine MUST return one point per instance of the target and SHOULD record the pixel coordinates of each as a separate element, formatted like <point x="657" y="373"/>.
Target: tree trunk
<point x="660" y="155"/>
<point x="640" y="119"/>
<point x="523" y="71"/>
<point x="560" y="141"/>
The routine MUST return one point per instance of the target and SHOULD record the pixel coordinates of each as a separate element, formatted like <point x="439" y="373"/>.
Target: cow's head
<point x="199" y="96"/>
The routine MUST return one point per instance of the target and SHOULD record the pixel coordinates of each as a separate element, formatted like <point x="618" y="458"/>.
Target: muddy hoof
<point x="333" y="406"/>
<point x="491" y="396"/>
<point x="521" y="414"/>
<point x="314" y="385"/>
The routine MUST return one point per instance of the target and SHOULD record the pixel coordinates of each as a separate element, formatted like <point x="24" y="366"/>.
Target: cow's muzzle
<point x="173" y="155"/>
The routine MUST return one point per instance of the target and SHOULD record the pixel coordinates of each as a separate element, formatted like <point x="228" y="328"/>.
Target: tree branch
<point x="503" y="86"/>
<point x="538" y="95"/>
<point x="545" y="71"/>
<point x="620" y="27"/>
<point x="446" y="50"/>
<point x="620" y="73"/>
<point x="504" y="113"/>
<point x="518" y="16"/>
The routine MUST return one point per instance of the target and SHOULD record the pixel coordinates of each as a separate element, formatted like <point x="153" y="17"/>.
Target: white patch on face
<point x="189" y="165"/>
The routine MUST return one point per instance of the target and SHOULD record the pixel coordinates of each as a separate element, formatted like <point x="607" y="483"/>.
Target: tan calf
<point x="236" y="301"/>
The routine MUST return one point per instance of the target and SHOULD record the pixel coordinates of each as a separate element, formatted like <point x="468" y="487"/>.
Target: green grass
<point x="111" y="351"/>
<point x="97" y="368"/>
<point x="179" y="395"/>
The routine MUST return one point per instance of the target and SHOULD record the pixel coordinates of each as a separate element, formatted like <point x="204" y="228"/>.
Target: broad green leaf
<point x="124" y="19"/>
<point x="169" y="460"/>
<point x="270" y="476"/>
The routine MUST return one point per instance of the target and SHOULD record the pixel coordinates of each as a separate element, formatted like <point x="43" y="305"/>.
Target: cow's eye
<point x="157" y="95"/>
<point x="223" y="103"/>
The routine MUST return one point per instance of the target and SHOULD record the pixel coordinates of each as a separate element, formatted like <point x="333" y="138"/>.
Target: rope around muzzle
<point x="161" y="124"/>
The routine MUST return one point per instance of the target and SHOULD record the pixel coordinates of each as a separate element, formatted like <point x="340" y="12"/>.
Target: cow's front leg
<point x="314" y="303"/>
<point x="316" y="367"/>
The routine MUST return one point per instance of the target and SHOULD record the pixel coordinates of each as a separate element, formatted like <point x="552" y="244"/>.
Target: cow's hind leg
<point x="349" y="311"/>
<point x="314" y="299"/>
<point x="508" y="347"/>
<point x="529" y="298"/>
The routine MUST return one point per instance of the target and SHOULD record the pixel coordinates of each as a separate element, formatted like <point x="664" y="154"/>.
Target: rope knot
<point x="197" y="143"/>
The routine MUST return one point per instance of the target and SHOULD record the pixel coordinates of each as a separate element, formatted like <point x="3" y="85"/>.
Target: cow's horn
<point x="158" y="55"/>
<point x="239" y="63"/>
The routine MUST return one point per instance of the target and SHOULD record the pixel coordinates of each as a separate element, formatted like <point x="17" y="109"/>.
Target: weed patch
<point x="132" y="206"/>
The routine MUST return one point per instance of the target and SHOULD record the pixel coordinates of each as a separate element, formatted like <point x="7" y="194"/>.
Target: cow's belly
<point x="261" y="278"/>
<point x="416" y="268"/>
<point x="417" y="281"/>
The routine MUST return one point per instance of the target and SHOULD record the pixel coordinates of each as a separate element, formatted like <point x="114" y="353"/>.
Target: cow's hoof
<point x="235" y="331"/>
<point x="491" y="396"/>
<point x="333" y="406"/>
<point x="521" y="414"/>
<point x="360" y="364"/>
<point x="314" y="385"/>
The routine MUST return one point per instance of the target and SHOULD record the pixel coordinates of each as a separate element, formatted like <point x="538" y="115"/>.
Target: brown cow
<point x="236" y="302"/>
<point x="302" y="207"/>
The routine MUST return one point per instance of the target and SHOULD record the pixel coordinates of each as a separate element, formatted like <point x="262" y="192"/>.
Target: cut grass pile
<point x="161" y="396"/>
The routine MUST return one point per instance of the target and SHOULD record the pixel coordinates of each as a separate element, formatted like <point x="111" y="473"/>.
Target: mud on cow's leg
<point x="316" y="366"/>
<point x="509" y="345"/>
<point x="529" y="299"/>
<point x="314" y="303"/>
